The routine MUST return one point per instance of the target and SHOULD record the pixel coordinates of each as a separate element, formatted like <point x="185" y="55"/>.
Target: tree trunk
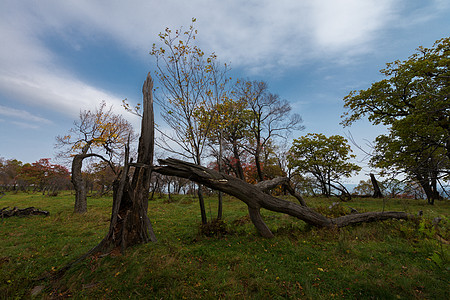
<point x="79" y="184"/>
<point x="284" y="182"/>
<point x="129" y="223"/>
<point x="431" y="193"/>
<point x="220" y="206"/>
<point x="377" y="192"/>
<point x="256" y="198"/>
<point x="201" y="201"/>
<point x="220" y="162"/>
<point x="258" y="167"/>
<point x="239" y="169"/>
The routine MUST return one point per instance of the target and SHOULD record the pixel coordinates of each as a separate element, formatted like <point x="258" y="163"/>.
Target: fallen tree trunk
<point x="284" y="182"/>
<point x="16" y="212"/>
<point x="255" y="198"/>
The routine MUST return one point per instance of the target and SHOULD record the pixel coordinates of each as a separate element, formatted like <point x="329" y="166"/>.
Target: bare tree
<point x="270" y="118"/>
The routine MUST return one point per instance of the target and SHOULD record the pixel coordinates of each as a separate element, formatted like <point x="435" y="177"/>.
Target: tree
<point x="102" y="176"/>
<point x="270" y="118"/>
<point x="129" y="223"/>
<point x="228" y="130"/>
<point x="43" y="176"/>
<point x="369" y="188"/>
<point x="9" y="171"/>
<point x="423" y="163"/>
<point x="414" y="102"/>
<point x="326" y="159"/>
<point x="99" y="131"/>
<point x="255" y="198"/>
<point x="376" y="188"/>
<point x="189" y="83"/>
<point x="364" y="188"/>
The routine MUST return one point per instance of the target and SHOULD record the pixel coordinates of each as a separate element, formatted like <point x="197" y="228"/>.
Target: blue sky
<point x="60" y="57"/>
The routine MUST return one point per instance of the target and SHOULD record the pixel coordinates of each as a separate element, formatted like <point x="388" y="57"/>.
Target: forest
<point x="177" y="227"/>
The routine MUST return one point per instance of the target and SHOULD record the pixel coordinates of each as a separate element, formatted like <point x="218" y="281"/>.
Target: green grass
<point x="386" y="260"/>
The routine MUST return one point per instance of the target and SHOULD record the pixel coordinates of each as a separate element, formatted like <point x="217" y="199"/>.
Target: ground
<point x="387" y="260"/>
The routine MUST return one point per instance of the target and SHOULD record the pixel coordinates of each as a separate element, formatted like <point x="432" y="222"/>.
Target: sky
<point x="58" y="58"/>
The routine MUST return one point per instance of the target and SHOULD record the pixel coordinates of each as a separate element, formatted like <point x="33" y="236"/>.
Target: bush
<point x="214" y="228"/>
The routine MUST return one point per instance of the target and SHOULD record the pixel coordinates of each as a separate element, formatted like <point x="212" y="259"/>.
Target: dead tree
<point x="17" y="212"/>
<point x="284" y="182"/>
<point x="256" y="198"/>
<point x="130" y="224"/>
<point x="376" y="188"/>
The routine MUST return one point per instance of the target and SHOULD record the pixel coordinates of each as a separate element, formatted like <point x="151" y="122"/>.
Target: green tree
<point x="413" y="101"/>
<point x="423" y="163"/>
<point x="326" y="159"/>
<point x="363" y="188"/>
<point x="228" y="131"/>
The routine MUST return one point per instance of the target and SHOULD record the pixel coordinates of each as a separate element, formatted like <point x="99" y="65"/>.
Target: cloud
<point x="25" y="125"/>
<point x="62" y="93"/>
<point x="19" y="116"/>
<point x="30" y="72"/>
<point x="256" y="36"/>
<point x="345" y="24"/>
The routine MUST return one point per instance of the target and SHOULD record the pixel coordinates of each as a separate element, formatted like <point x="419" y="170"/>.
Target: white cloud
<point x="259" y="35"/>
<point x="25" y="125"/>
<point x="23" y="118"/>
<point x="344" y="24"/>
<point x="255" y="34"/>
<point x="58" y="93"/>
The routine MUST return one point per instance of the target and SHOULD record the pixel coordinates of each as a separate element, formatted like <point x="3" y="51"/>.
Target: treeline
<point x="40" y="176"/>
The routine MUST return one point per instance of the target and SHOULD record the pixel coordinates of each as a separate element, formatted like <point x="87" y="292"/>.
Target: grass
<point x="386" y="260"/>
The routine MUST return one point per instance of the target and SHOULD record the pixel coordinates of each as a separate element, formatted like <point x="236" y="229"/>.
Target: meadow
<point x="393" y="259"/>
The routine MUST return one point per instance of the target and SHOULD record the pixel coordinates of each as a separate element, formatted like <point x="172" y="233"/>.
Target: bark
<point x="377" y="192"/>
<point x="79" y="184"/>
<point x="430" y="188"/>
<point x="256" y="198"/>
<point x="220" y="206"/>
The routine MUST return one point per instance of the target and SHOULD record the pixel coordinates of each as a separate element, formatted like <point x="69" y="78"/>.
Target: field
<point x="386" y="260"/>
